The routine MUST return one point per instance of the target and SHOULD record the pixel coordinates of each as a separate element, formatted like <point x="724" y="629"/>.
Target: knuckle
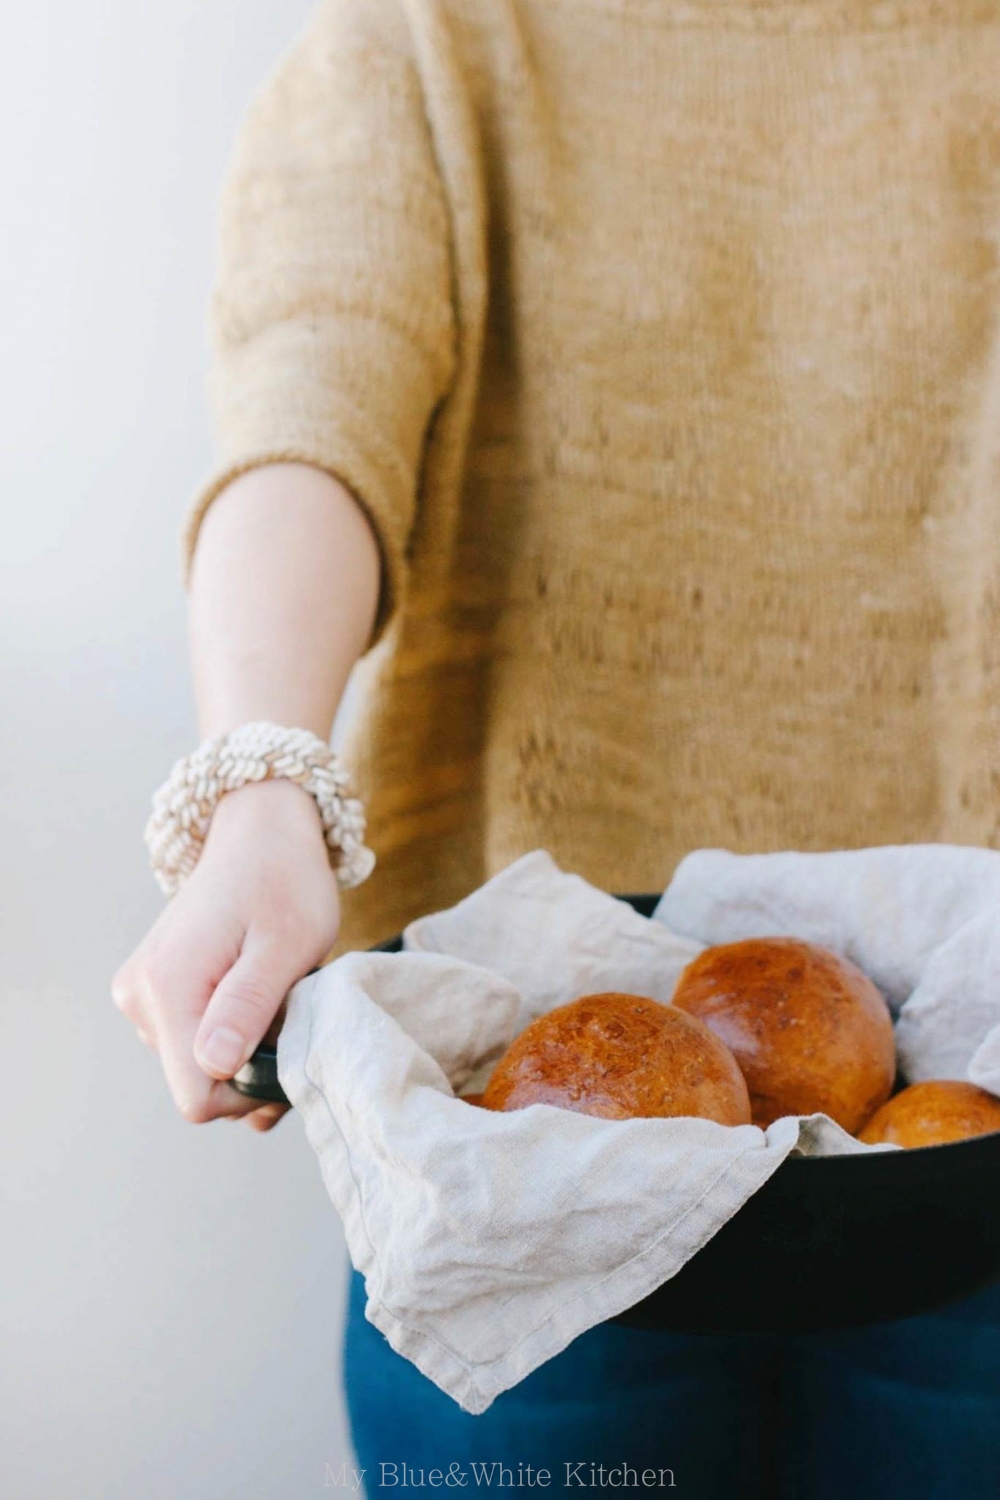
<point x="127" y="1004"/>
<point x="123" y="986"/>
<point x="196" y="1111"/>
<point x="156" y="978"/>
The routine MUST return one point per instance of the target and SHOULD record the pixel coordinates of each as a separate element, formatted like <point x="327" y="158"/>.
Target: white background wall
<point x="170" y="1295"/>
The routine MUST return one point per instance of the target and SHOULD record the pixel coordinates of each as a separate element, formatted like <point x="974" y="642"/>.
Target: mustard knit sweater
<point x="659" y="340"/>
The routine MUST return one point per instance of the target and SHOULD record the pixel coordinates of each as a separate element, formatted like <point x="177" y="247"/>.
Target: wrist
<point x="257" y="752"/>
<point x="266" y="805"/>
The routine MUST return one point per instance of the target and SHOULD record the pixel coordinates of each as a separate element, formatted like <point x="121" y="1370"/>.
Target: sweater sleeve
<point x="331" y="324"/>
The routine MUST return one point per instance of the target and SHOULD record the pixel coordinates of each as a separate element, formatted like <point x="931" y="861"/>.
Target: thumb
<point x="242" y="1007"/>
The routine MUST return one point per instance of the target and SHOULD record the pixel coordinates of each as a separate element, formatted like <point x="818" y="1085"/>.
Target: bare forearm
<point x="284" y="589"/>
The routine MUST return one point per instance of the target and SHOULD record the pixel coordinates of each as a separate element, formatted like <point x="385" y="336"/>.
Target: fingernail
<point x="223" y="1052"/>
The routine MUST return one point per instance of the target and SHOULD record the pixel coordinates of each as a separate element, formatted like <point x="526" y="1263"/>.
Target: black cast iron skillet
<point x="827" y="1242"/>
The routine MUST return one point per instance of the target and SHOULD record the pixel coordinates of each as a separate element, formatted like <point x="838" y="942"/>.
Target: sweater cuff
<point x="368" y="435"/>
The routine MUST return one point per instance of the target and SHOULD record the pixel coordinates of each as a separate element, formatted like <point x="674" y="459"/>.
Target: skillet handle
<point x="258" y="1077"/>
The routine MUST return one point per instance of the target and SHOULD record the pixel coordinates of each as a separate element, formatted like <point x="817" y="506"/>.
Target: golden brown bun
<point x="620" y="1056"/>
<point x="931" y="1113"/>
<point x="809" y="1030"/>
<point x="471" y="1098"/>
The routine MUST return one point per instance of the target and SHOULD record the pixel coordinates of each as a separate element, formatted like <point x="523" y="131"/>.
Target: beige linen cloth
<point x="490" y="1241"/>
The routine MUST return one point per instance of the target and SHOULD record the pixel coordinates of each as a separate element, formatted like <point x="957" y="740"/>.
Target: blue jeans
<point x="901" y="1411"/>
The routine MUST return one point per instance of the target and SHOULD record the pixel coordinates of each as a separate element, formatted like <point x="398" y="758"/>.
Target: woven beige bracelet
<point x="183" y="806"/>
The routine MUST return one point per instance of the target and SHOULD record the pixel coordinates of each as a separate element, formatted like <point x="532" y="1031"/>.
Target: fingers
<point x="163" y="990"/>
<point x="182" y="1009"/>
<point x="242" y="1008"/>
<point x="266" y="1117"/>
<point x="176" y="998"/>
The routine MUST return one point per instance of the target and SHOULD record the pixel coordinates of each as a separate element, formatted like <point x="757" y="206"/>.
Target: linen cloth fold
<point x="490" y="1241"/>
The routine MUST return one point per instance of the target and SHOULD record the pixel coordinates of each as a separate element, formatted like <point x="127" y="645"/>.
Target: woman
<point x="617" y="383"/>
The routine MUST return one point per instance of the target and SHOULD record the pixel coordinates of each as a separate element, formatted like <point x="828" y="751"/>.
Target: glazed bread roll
<point x="809" y="1030"/>
<point x="932" y="1113"/>
<point x="620" y="1056"/>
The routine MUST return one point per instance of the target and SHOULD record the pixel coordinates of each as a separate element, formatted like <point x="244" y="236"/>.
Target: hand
<point x="208" y="982"/>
